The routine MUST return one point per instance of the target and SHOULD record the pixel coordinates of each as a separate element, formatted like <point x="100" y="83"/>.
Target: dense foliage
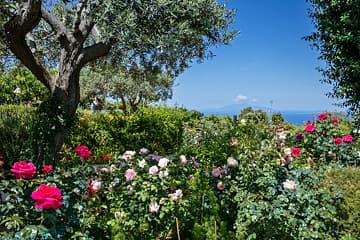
<point x="337" y="37"/>
<point x="169" y="173"/>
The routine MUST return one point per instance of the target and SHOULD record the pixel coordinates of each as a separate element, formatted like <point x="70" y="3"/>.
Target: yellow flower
<point x="82" y="119"/>
<point x="87" y="112"/>
<point x="110" y="117"/>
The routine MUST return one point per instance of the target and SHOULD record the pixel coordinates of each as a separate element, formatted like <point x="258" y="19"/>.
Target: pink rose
<point x="309" y="128"/>
<point x="130" y="174"/>
<point x="322" y="117"/>
<point x="338" y="140"/>
<point x="216" y="172"/>
<point x="47" y="197"/>
<point x="153" y="170"/>
<point x="347" y="139"/>
<point x="220" y="186"/>
<point x="83" y="152"/>
<point x="23" y="169"/>
<point x="47" y="168"/>
<point x="295" y="152"/>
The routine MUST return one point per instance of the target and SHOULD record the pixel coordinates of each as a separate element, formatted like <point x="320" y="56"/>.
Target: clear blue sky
<point x="268" y="61"/>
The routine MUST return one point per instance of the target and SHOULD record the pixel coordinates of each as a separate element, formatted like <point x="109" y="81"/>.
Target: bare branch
<point x="77" y="19"/>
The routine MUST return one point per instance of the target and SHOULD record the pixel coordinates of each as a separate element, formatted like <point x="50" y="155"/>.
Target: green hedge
<point x="16" y="124"/>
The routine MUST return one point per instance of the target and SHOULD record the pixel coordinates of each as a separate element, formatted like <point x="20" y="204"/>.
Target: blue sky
<point x="268" y="62"/>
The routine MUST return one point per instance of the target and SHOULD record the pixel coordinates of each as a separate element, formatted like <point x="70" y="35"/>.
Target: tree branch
<point x="77" y="19"/>
<point x="56" y="25"/>
<point x="94" y="52"/>
<point x="16" y="30"/>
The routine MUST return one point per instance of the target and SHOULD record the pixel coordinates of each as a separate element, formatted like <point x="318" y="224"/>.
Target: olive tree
<point x="69" y="34"/>
<point x="131" y="87"/>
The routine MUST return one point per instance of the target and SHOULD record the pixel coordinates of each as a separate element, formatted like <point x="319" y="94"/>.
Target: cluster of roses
<point x="46" y="197"/>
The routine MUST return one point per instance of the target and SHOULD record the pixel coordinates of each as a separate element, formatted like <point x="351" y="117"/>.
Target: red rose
<point x="295" y="152"/>
<point x="47" y="168"/>
<point x="309" y="128"/>
<point x="23" y="169"/>
<point x="338" y="140"/>
<point x="47" y="197"/>
<point x="335" y="121"/>
<point x="322" y="117"/>
<point x="106" y="157"/>
<point x="83" y="152"/>
<point x="347" y="139"/>
<point x="299" y="136"/>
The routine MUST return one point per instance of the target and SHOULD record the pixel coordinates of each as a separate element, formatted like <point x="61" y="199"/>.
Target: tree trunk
<point x="56" y="116"/>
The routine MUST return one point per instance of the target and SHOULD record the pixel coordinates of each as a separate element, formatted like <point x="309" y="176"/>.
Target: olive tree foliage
<point x="337" y="38"/>
<point x="132" y="87"/>
<point x="69" y="34"/>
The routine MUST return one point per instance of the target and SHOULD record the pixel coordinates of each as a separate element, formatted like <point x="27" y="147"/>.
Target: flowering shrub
<point x="148" y="195"/>
<point x="52" y="204"/>
<point x="324" y="141"/>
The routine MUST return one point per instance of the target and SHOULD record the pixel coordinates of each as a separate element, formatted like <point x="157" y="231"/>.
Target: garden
<point x="171" y="173"/>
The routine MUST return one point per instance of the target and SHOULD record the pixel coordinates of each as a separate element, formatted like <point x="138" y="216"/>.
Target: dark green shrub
<point x="16" y="136"/>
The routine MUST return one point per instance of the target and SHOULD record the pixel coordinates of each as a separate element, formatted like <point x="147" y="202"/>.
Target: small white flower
<point x="243" y="121"/>
<point x="128" y="155"/>
<point x="96" y="185"/>
<point x="17" y="90"/>
<point x="142" y="163"/>
<point x="105" y="170"/>
<point x="281" y="136"/>
<point x="119" y="214"/>
<point x="183" y="159"/>
<point x="154" y="207"/>
<point x="232" y="162"/>
<point x="287" y="151"/>
<point x="289" y="185"/>
<point x="163" y="174"/>
<point x="163" y="162"/>
<point x="115" y="182"/>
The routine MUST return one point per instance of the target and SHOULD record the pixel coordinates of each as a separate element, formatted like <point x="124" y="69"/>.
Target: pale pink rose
<point x="216" y="172"/>
<point x="220" y="186"/>
<point x="287" y="151"/>
<point x="177" y="195"/>
<point x="130" y="174"/>
<point x="153" y="170"/>
<point x="154" y="207"/>
<point x="96" y="185"/>
<point x="289" y="185"/>
<point x="163" y="162"/>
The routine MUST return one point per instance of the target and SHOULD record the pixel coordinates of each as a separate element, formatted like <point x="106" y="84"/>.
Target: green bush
<point x="208" y="140"/>
<point x="347" y="180"/>
<point x="160" y="129"/>
<point x="16" y="133"/>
